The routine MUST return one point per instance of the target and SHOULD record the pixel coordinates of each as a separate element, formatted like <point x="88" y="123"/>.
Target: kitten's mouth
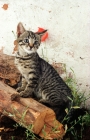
<point x="29" y="49"/>
<point x="30" y="46"/>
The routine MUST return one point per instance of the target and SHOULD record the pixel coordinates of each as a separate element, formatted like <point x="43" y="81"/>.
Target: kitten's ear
<point x="20" y="29"/>
<point x="41" y="33"/>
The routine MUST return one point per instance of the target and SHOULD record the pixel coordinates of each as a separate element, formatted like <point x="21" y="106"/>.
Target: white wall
<point x="68" y="24"/>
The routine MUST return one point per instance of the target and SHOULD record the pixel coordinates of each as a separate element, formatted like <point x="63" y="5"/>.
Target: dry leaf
<point x="16" y="46"/>
<point x="5" y="6"/>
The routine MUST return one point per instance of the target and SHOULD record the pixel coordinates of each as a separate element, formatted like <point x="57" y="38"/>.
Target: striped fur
<point x="39" y="78"/>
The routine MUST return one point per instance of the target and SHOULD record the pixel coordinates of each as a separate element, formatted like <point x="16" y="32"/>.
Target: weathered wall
<point x="68" y="24"/>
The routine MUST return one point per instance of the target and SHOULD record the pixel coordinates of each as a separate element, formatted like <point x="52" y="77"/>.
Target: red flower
<point x="45" y="36"/>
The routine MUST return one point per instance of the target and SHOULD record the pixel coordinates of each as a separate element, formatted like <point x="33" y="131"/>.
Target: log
<point x="8" y="71"/>
<point x="31" y="114"/>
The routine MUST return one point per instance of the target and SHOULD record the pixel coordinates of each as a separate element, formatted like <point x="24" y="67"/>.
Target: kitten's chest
<point x="23" y="66"/>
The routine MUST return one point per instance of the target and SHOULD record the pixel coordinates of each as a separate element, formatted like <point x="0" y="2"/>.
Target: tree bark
<point x="8" y="71"/>
<point x="31" y="114"/>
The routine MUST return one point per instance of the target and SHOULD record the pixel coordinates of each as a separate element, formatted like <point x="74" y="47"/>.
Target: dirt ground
<point x="8" y="131"/>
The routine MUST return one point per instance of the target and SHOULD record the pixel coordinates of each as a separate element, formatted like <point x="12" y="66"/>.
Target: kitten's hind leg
<point x="47" y="102"/>
<point x="23" y="86"/>
<point x="52" y="103"/>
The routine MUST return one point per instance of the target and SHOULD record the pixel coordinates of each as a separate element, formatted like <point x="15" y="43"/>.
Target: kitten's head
<point x="28" y="41"/>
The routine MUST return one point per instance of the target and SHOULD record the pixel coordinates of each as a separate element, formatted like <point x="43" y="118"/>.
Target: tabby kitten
<point x="39" y="78"/>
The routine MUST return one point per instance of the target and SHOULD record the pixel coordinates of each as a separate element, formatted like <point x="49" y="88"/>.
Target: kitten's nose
<point x="31" y="45"/>
<point x="31" y="42"/>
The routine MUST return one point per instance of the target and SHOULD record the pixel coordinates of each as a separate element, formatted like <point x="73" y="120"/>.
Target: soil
<point x="8" y="131"/>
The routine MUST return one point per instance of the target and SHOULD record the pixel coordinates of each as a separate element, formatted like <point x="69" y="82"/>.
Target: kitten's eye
<point x="26" y="40"/>
<point x="36" y="42"/>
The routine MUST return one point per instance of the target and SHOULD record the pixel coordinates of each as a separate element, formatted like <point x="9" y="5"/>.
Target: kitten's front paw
<point x="24" y="93"/>
<point x="19" y="89"/>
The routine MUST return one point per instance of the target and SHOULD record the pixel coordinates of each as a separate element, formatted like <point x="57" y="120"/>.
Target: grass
<point x="12" y="138"/>
<point x="79" y="97"/>
<point x="75" y="128"/>
<point x="30" y="135"/>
